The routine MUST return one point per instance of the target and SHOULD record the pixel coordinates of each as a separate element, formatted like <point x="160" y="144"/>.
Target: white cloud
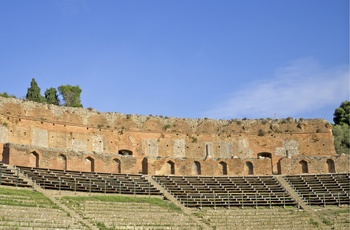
<point x="301" y="87"/>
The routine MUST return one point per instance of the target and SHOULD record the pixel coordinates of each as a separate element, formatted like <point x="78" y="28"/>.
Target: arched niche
<point x="34" y="159"/>
<point x="125" y="152"/>
<point x="171" y="167"/>
<point x="330" y="166"/>
<point x="249" y="168"/>
<point x="265" y="155"/>
<point x="90" y="164"/>
<point x="62" y="161"/>
<point x="145" y="166"/>
<point x="303" y="165"/>
<point x="223" y="168"/>
<point x="196" y="168"/>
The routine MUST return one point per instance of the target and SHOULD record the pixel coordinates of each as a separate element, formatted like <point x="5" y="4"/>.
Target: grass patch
<point x="314" y="222"/>
<point x="23" y="197"/>
<point x="150" y="200"/>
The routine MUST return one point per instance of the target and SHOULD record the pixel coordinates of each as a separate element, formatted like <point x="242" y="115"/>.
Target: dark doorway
<point x="35" y="159"/>
<point x="304" y="167"/>
<point x="197" y="168"/>
<point x="171" y="167"/>
<point x="330" y="166"/>
<point x="91" y="164"/>
<point x="223" y="167"/>
<point x="249" y="168"/>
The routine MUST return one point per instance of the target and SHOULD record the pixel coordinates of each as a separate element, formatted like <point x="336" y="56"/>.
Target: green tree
<point x="70" y="95"/>
<point x="51" y="96"/>
<point x="33" y="92"/>
<point x="341" y="129"/>
<point x="342" y="114"/>
<point x="342" y="138"/>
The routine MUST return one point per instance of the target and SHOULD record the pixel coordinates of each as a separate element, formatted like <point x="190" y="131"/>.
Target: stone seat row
<point x="225" y="191"/>
<point x="322" y="189"/>
<point x="9" y="178"/>
<point x="90" y="182"/>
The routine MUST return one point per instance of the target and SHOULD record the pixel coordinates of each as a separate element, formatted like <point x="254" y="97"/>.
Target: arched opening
<point x="330" y="166"/>
<point x="125" y="152"/>
<point x="144" y="166"/>
<point x="171" y="167"/>
<point x="249" y="168"/>
<point x="34" y="159"/>
<point x="304" y="167"/>
<point x="62" y="160"/>
<point x="118" y="166"/>
<point x="196" y="168"/>
<point x="90" y="164"/>
<point x="223" y="166"/>
<point x="268" y="155"/>
<point x="264" y="155"/>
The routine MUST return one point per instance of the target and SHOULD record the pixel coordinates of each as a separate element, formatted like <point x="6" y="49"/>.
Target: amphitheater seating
<point x="201" y="191"/>
<point x="90" y="181"/>
<point x="322" y="189"/>
<point x="9" y="178"/>
<point x="132" y="215"/>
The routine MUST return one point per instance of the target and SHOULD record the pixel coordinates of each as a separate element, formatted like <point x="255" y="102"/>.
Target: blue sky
<point x="186" y="58"/>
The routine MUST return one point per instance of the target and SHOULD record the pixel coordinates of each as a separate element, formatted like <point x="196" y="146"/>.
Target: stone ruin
<point x="56" y="137"/>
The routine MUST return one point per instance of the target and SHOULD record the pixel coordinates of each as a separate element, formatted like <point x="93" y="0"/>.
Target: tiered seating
<point x="322" y="189"/>
<point x="7" y="177"/>
<point x="198" y="191"/>
<point x="132" y="215"/>
<point x="90" y="181"/>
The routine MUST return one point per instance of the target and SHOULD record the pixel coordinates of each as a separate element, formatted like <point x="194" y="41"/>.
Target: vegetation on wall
<point x="5" y="94"/>
<point x="51" y="96"/>
<point x="33" y="92"/>
<point x="341" y="130"/>
<point x="70" y="95"/>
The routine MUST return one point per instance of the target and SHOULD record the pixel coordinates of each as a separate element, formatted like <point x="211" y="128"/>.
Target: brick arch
<point x="34" y="159"/>
<point x="223" y="168"/>
<point x="330" y="166"/>
<point x="62" y="161"/>
<point x="196" y="168"/>
<point x="90" y="164"/>
<point x="249" y="168"/>
<point x="304" y="167"/>
<point x="171" y="167"/>
<point x="125" y="152"/>
<point x="265" y="155"/>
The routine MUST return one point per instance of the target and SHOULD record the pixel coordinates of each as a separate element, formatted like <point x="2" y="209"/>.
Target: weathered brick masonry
<point x="33" y="134"/>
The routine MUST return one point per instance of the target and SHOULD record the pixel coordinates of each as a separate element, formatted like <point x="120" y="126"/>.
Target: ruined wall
<point x="86" y="135"/>
<point x="322" y="164"/>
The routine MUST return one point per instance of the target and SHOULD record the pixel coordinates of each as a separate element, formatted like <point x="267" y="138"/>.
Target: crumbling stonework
<point x="34" y="134"/>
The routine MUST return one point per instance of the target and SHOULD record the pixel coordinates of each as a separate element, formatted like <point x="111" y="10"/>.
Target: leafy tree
<point x="341" y="129"/>
<point x="51" y="96"/>
<point x="70" y="95"/>
<point x="342" y="138"/>
<point x="33" y="92"/>
<point x="342" y="114"/>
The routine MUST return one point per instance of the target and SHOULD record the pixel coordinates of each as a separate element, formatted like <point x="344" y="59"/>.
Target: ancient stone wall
<point x="133" y="144"/>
